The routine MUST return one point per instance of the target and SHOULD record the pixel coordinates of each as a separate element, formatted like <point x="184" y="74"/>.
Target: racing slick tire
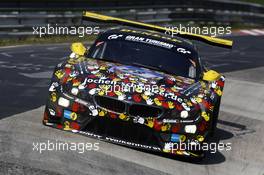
<point x="215" y="117"/>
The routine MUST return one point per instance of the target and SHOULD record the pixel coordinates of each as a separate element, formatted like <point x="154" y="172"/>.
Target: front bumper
<point x="80" y="117"/>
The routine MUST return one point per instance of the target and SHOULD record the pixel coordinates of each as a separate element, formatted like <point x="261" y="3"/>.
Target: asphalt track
<point x="24" y="79"/>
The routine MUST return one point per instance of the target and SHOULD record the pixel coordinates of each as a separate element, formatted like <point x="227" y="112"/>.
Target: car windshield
<point x="150" y="56"/>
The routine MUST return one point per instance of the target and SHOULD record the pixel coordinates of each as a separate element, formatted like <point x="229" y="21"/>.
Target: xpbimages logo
<point x="212" y="147"/>
<point x="80" y="147"/>
<point x="204" y="30"/>
<point x="65" y="30"/>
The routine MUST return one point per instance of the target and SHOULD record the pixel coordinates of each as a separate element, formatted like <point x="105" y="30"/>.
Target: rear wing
<point x="108" y="19"/>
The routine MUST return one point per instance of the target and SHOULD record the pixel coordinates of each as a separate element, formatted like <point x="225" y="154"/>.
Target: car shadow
<point x="217" y="156"/>
<point x="209" y="157"/>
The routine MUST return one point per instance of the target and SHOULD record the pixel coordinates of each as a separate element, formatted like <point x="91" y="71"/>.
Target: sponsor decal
<point x="53" y="86"/>
<point x="52" y="112"/>
<point x="70" y="115"/>
<point x="90" y="134"/>
<point x="114" y="36"/>
<point x="177" y="121"/>
<point x="149" y="41"/>
<point x="151" y="34"/>
<point x="114" y="140"/>
<point x="184" y="51"/>
<point x="175" y="137"/>
<point x="131" y="143"/>
<point x="170" y="121"/>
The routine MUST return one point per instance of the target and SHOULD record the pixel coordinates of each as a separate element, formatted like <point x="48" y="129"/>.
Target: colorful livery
<point x="138" y="88"/>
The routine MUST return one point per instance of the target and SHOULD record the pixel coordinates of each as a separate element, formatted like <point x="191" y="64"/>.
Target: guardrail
<point x="17" y="18"/>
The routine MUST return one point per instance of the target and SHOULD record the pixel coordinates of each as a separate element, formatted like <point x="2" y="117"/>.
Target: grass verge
<point x="45" y="40"/>
<point x="254" y="1"/>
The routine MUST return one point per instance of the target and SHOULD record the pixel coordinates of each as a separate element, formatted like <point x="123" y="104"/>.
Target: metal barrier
<point x="18" y="18"/>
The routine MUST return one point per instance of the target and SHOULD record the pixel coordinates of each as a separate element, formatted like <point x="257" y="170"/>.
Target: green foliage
<point x="254" y="1"/>
<point x="43" y="40"/>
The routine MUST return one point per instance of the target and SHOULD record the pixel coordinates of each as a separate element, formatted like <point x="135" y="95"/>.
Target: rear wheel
<point x="215" y="117"/>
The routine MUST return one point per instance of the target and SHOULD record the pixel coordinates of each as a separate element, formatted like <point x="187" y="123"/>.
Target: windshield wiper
<point x="156" y="68"/>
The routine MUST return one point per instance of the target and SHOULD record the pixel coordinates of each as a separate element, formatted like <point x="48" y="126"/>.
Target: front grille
<point x="127" y="131"/>
<point x="110" y="104"/>
<point x="144" y="111"/>
<point x="118" y="106"/>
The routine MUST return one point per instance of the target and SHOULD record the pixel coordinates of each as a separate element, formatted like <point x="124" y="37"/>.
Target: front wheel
<point x="215" y="117"/>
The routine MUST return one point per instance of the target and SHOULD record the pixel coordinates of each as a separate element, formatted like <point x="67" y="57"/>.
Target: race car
<point x="136" y="87"/>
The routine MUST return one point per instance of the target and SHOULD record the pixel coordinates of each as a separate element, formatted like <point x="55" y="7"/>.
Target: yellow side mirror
<point x="78" y="48"/>
<point x="211" y="75"/>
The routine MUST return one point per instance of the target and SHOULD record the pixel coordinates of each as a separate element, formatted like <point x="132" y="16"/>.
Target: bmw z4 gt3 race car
<point x="138" y="88"/>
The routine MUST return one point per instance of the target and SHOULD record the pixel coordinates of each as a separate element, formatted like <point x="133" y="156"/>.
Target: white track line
<point x="250" y="32"/>
<point x="6" y="54"/>
<point x="258" y="31"/>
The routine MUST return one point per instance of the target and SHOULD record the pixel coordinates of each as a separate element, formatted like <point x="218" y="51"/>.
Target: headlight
<point x="63" y="102"/>
<point x="184" y="114"/>
<point x="190" y="129"/>
<point x="74" y="91"/>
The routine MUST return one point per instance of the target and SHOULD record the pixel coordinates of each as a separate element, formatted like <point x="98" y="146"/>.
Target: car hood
<point x="131" y="83"/>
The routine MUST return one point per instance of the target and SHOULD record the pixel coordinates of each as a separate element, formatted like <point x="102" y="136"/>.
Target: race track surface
<point x="25" y="73"/>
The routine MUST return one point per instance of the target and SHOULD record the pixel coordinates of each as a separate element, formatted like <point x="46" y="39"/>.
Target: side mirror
<point x="78" y="49"/>
<point x="211" y="75"/>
